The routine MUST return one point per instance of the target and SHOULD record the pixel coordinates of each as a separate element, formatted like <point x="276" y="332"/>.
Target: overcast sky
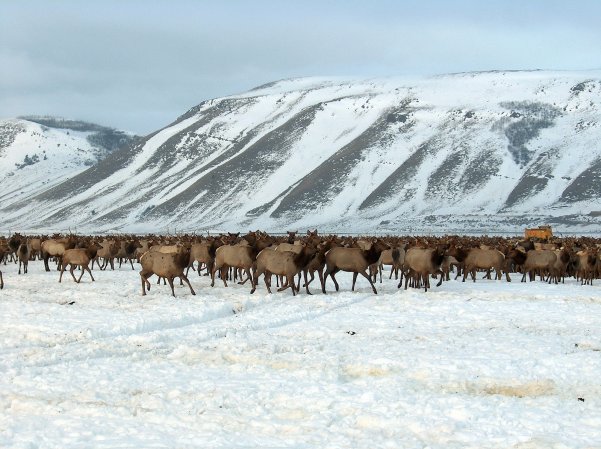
<point x="137" y="65"/>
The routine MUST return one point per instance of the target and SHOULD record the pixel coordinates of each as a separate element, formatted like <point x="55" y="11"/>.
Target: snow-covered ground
<point x="484" y="365"/>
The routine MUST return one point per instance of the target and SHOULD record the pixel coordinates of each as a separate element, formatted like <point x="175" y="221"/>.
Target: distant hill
<point x="40" y="152"/>
<point x="469" y="152"/>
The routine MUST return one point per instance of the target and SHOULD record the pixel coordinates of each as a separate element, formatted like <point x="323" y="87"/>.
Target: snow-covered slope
<point x="35" y="157"/>
<point x="465" y="152"/>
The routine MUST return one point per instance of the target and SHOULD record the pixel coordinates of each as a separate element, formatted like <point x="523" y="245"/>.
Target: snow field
<point x="490" y="364"/>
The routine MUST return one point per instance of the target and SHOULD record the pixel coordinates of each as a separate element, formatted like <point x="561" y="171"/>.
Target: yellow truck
<point x="541" y="233"/>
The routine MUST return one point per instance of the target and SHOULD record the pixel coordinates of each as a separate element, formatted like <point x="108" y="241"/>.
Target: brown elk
<point x="317" y="262"/>
<point x="281" y="263"/>
<point x="561" y="265"/>
<point x="13" y="244"/>
<point x="107" y="253"/>
<point x="533" y="261"/>
<point x="420" y="263"/>
<point x="585" y="266"/>
<point x="79" y="257"/>
<point x="353" y="260"/>
<point x="56" y="248"/>
<point x="203" y="253"/>
<point x="127" y="251"/>
<point x="24" y="254"/>
<point x="473" y="259"/>
<point x="242" y="256"/>
<point x="168" y="265"/>
<point x="395" y="261"/>
<point x="36" y="248"/>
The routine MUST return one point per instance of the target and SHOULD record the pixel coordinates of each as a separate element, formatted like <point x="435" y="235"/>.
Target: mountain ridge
<point x="474" y="149"/>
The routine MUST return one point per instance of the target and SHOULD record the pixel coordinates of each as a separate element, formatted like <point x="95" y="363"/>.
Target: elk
<point x="108" y="252"/>
<point x="317" y="262"/>
<point x="79" y="257"/>
<point x="473" y="259"/>
<point x="127" y="251"/>
<point x="561" y="265"/>
<point x="242" y="256"/>
<point x="24" y="254"/>
<point x="233" y="256"/>
<point x="281" y="263"/>
<point x="36" y="248"/>
<point x="144" y="246"/>
<point x="203" y="252"/>
<point x="56" y="248"/>
<point x="533" y="260"/>
<point x="585" y="266"/>
<point x="14" y="243"/>
<point x="387" y="258"/>
<point x="353" y="260"/>
<point x="422" y="262"/>
<point x="168" y="265"/>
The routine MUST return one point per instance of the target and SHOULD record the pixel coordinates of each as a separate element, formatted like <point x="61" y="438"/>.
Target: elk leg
<point x="89" y="271"/>
<point x="71" y="271"/>
<point x="312" y="273"/>
<point x="334" y="279"/>
<point x="185" y="278"/>
<point x="215" y="268"/>
<point x="441" y="278"/>
<point x="324" y="280"/>
<point x="223" y="273"/>
<point x="242" y="282"/>
<point x="255" y="280"/>
<point x="355" y="274"/>
<point x="61" y="276"/>
<point x="307" y="283"/>
<point x="170" y="279"/>
<point x="81" y="275"/>
<point x="46" y="257"/>
<point x="364" y="274"/>
<point x="144" y="282"/>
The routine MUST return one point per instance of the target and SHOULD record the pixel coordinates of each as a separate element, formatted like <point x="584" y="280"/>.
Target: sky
<point x="137" y="65"/>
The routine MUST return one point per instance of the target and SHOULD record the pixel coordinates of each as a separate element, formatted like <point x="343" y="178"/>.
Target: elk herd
<point x="295" y="259"/>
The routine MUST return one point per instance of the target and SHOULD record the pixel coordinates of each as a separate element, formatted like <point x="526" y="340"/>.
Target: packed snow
<point x="489" y="364"/>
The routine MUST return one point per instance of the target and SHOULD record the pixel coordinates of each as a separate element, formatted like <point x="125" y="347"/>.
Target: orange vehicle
<point x="542" y="232"/>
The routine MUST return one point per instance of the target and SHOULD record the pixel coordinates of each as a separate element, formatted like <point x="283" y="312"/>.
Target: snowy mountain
<point x="469" y="152"/>
<point x="38" y="153"/>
